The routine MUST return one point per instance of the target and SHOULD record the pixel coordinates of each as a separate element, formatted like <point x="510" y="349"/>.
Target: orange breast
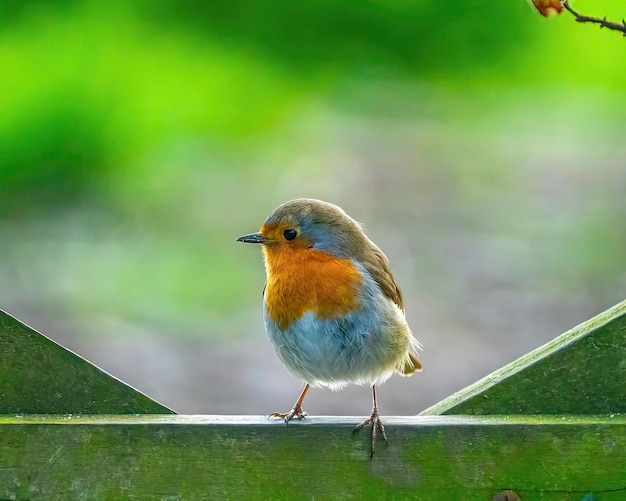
<point x="301" y="279"/>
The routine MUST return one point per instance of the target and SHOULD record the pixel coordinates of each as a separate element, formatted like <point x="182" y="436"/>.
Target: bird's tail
<point x="410" y="365"/>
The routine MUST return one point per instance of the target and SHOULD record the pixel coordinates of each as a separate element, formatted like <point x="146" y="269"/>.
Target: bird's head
<point x="309" y="223"/>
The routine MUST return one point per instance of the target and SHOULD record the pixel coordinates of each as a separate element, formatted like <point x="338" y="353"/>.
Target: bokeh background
<point x="483" y="146"/>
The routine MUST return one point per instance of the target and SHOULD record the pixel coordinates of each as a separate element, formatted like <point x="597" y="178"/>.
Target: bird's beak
<point x="252" y="238"/>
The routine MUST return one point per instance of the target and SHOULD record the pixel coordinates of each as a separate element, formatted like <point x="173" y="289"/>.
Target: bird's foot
<point x="295" y="412"/>
<point x="377" y="427"/>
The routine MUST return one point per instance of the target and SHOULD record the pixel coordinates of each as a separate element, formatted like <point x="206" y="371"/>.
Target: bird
<point x="331" y="307"/>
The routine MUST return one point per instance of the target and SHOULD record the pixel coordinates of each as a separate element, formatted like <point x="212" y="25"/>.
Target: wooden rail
<point x="550" y="458"/>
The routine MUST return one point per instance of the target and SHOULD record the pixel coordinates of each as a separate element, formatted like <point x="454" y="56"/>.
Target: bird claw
<point x="377" y="426"/>
<point x="296" y="412"/>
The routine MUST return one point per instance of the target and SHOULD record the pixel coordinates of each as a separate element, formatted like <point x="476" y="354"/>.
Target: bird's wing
<point x="377" y="265"/>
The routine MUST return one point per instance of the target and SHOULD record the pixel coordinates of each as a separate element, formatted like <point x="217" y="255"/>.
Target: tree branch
<point x="603" y="23"/>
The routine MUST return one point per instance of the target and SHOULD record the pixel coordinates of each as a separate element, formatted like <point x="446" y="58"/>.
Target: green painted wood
<point x="38" y="376"/>
<point x="435" y="458"/>
<point x="580" y="372"/>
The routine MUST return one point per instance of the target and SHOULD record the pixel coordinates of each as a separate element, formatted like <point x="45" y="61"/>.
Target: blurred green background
<point x="482" y="145"/>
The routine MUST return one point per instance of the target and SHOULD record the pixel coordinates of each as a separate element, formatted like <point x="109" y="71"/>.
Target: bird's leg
<point x="296" y="411"/>
<point x="377" y="424"/>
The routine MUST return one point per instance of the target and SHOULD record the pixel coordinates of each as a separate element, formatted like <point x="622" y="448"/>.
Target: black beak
<point x="252" y="238"/>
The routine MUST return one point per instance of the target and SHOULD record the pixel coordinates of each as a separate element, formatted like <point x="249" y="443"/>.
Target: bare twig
<point x="603" y="23"/>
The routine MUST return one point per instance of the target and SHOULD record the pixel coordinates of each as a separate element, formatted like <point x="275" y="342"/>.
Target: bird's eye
<point x="290" y="234"/>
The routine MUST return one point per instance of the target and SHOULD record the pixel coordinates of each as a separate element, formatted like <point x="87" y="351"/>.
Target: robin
<point x="332" y="308"/>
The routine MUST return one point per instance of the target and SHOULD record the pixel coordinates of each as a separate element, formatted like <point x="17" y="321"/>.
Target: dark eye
<point x="290" y="234"/>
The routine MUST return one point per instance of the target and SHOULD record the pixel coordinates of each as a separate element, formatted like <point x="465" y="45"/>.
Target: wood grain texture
<point x="39" y="376"/>
<point x="227" y="457"/>
<point x="580" y="372"/>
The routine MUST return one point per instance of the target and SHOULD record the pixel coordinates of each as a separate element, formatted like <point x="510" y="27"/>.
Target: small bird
<point x="332" y="308"/>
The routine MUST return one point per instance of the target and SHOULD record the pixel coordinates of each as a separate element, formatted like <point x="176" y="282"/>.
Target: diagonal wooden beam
<point x="580" y="372"/>
<point x="39" y="376"/>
